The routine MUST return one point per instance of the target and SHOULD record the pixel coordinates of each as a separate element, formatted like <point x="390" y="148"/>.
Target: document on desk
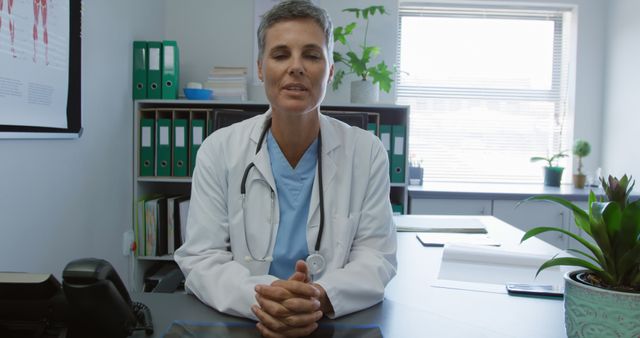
<point x="440" y="239"/>
<point x="439" y="224"/>
<point x="181" y="328"/>
<point x="488" y="269"/>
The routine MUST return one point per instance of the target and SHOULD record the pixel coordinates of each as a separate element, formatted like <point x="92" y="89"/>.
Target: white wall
<point x="622" y="108"/>
<point x="66" y="199"/>
<point x="221" y="33"/>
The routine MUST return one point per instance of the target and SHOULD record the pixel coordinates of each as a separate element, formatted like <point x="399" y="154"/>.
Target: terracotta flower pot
<point x="579" y="180"/>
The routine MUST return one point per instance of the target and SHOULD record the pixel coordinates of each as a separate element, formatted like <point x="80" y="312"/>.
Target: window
<point x="488" y="89"/>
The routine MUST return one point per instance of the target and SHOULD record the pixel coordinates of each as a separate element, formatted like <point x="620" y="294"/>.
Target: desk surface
<point x="412" y="308"/>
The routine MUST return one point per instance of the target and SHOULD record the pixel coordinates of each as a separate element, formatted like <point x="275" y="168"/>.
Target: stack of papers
<point x="442" y="224"/>
<point x="228" y="83"/>
<point x="483" y="268"/>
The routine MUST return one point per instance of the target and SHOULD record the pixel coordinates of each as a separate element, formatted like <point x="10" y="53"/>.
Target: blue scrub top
<point x="294" y="187"/>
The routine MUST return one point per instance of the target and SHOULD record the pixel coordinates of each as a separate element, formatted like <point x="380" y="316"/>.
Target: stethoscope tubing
<point x="243" y="190"/>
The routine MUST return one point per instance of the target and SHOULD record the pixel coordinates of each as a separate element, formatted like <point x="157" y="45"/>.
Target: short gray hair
<point x="296" y="9"/>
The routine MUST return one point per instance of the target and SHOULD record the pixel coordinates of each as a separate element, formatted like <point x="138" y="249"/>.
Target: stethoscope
<point x="315" y="261"/>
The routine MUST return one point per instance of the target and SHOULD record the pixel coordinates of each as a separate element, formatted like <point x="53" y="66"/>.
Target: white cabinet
<point x="533" y="214"/>
<point x="504" y="205"/>
<point x="435" y="206"/>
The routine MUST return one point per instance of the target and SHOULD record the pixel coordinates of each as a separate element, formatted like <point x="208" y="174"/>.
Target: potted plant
<point x="581" y="148"/>
<point x="604" y="299"/>
<point x="359" y="61"/>
<point x="552" y="172"/>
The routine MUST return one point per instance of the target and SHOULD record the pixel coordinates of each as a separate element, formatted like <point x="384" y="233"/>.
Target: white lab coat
<point x="359" y="240"/>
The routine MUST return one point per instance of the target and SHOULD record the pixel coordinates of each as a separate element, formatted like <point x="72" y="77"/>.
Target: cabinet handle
<point x="562" y="225"/>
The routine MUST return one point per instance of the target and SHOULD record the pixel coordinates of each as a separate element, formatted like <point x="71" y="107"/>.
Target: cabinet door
<point x="433" y="206"/>
<point x="534" y="214"/>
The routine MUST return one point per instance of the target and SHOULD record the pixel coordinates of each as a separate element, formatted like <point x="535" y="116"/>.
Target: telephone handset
<point x="99" y="302"/>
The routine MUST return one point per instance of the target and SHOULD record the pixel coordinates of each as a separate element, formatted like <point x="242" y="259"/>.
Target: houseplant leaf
<point x="629" y="228"/>
<point x="337" y="57"/>
<point x="338" y="35"/>
<point x="583" y="254"/>
<point x="381" y="75"/>
<point x="348" y="29"/>
<point x="356" y="11"/>
<point x="357" y="65"/>
<point x="594" y="249"/>
<point x="599" y="230"/>
<point x="581" y="216"/>
<point x="628" y="263"/>
<point x="612" y="215"/>
<point x="369" y="52"/>
<point x="337" y="79"/>
<point x="572" y="261"/>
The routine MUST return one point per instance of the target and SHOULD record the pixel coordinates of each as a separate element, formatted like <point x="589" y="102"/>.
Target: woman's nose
<point x="296" y="71"/>
<point x="296" y="67"/>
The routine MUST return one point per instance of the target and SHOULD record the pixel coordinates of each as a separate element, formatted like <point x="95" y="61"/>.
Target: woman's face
<point x="295" y="67"/>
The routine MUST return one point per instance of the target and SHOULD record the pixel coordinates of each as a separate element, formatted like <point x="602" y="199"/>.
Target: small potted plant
<point x="604" y="299"/>
<point x="552" y="172"/>
<point x="581" y="148"/>
<point x="359" y="61"/>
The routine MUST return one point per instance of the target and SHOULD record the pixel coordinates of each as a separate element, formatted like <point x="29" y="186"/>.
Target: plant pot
<point x="364" y="92"/>
<point x="591" y="311"/>
<point x="552" y="176"/>
<point x="579" y="180"/>
<point x="415" y="175"/>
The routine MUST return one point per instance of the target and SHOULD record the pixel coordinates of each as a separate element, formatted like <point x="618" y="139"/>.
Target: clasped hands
<point x="292" y="307"/>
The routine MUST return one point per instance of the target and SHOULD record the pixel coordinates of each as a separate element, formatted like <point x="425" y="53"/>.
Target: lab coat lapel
<point x="261" y="159"/>
<point x="329" y="169"/>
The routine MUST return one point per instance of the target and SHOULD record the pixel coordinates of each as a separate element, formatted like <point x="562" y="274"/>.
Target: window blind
<point x="488" y="89"/>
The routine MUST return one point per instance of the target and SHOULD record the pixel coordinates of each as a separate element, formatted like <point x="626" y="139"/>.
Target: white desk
<point x="412" y="308"/>
<point x="493" y="315"/>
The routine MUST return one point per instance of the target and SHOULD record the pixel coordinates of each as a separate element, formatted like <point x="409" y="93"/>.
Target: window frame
<point x="562" y="77"/>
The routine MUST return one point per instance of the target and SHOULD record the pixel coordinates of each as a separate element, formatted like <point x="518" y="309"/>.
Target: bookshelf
<point x="145" y="186"/>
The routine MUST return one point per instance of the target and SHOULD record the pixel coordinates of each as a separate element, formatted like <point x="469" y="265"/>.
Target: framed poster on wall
<point x="40" y="73"/>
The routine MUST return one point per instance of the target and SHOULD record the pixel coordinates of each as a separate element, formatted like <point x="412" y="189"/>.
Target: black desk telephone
<point x="99" y="305"/>
<point x="91" y="302"/>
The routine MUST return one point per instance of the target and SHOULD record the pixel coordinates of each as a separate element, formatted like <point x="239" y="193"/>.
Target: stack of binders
<point x="393" y="138"/>
<point x="169" y="141"/>
<point x="156" y="70"/>
<point x="160" y="224"/>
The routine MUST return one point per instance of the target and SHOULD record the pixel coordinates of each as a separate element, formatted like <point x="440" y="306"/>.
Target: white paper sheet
<point x="473" y="267"/>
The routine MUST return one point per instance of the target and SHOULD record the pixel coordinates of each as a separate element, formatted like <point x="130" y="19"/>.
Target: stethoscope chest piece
<point x="315" y="263"/>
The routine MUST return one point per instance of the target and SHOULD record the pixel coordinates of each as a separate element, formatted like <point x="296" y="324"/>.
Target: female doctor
<point x="289" y="217"/>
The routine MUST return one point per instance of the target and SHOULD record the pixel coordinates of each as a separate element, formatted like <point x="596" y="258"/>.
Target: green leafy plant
<point x="359" y="63"/>
<point x="614" y="224"/>
<point x="550" y="159"/>
<point x="581" y="148"/>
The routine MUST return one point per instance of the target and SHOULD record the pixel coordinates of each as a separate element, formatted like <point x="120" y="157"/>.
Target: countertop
<point x="497" y="191"/>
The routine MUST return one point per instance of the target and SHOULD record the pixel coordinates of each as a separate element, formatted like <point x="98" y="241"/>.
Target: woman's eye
<point x="279" y="56"/>
<point x="313" y="56"/>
